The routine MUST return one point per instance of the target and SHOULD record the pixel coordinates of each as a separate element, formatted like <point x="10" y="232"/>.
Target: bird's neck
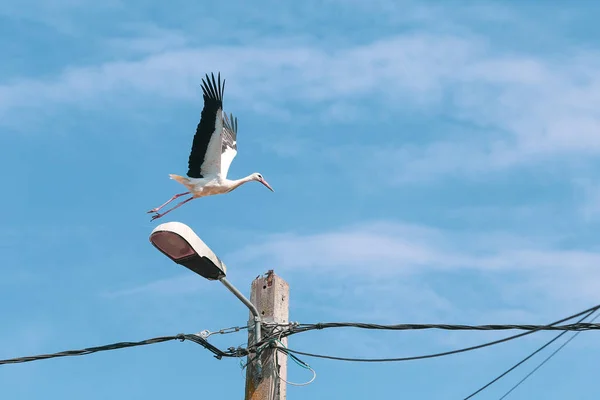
<point x="238" y="182"/>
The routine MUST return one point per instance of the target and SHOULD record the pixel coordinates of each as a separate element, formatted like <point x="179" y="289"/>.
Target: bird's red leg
<point x="172" y="198"/>
<point x="168" y="211"/>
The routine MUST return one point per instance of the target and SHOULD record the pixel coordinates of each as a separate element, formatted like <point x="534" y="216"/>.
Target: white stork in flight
<point x="213" y="149"/>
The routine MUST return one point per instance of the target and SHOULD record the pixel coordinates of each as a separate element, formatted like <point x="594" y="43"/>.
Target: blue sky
<point x="432" y="162"/>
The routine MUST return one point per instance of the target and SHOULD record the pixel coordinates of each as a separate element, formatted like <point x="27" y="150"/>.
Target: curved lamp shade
<point x="181" y="244"/>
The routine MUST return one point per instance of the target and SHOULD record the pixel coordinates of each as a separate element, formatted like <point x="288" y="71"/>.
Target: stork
<point x="213" y="149"/>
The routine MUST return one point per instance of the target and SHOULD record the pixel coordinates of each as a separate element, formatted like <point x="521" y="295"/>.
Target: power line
<point x="300" y="328"/>
<point x="588" y="313"/>
<point x="545" y="361"/>
<point x="121" y="345"/>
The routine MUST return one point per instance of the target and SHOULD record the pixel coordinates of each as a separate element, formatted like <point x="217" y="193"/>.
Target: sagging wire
<point x="296" y="360"/>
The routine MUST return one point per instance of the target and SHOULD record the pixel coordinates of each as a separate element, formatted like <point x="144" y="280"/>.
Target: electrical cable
<point x="300" y="328"/>
<point x="544" y="362"/>
<point x="296" y="360"/>
<point x="589" y="313"/>
<point x="121" y="345"/>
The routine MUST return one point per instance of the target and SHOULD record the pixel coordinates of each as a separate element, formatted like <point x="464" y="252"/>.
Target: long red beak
<point x="267" y="185"/>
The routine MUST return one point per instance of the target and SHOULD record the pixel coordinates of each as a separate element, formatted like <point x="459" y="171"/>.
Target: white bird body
<point x="213" y="149"/>
<point x="202" y="187"/>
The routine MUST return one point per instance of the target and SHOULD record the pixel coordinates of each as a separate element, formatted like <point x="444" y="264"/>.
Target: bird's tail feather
<point x="181" y="179"/>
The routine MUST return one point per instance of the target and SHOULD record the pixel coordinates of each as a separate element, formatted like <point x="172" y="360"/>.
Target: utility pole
<point x="270" y="295"/>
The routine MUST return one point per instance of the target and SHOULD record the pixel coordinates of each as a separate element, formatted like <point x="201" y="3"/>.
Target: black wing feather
<point x="213" y="102"/>
<point x="230" y="133"/>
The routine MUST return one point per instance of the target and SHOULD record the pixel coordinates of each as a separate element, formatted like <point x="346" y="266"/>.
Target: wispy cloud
<point x="512" y="264"/>
<point x="521" y="109"/>
<point x="392" y="271"/>
<point x="393" y="247"/>
<point x="275" y="73"/>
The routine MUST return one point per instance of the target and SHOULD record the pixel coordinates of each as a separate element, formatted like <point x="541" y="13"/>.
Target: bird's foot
<point x="154" y="210"/>
<point x="156" y="216"/>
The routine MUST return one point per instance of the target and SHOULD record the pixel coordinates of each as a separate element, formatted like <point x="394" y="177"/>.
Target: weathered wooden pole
<point x="270" y="295"/>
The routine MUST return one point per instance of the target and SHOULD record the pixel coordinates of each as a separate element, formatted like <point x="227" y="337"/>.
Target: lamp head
<point x="181" y="244"/>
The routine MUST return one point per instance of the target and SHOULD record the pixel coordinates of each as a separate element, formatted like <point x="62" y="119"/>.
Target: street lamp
<point x="181" y="244"/>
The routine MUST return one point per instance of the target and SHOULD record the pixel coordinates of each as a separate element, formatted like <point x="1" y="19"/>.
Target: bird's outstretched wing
<point x="205" y="157"/>
<point x="229" y="143"/>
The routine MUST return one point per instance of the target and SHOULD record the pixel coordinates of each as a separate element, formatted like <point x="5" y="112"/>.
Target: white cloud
<point x="525" y="108"/>
<point x="277" y="72"/>
<point x="518" y="267"/>
<point x="510" y="107"/>
<point x="393" y="271"/>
